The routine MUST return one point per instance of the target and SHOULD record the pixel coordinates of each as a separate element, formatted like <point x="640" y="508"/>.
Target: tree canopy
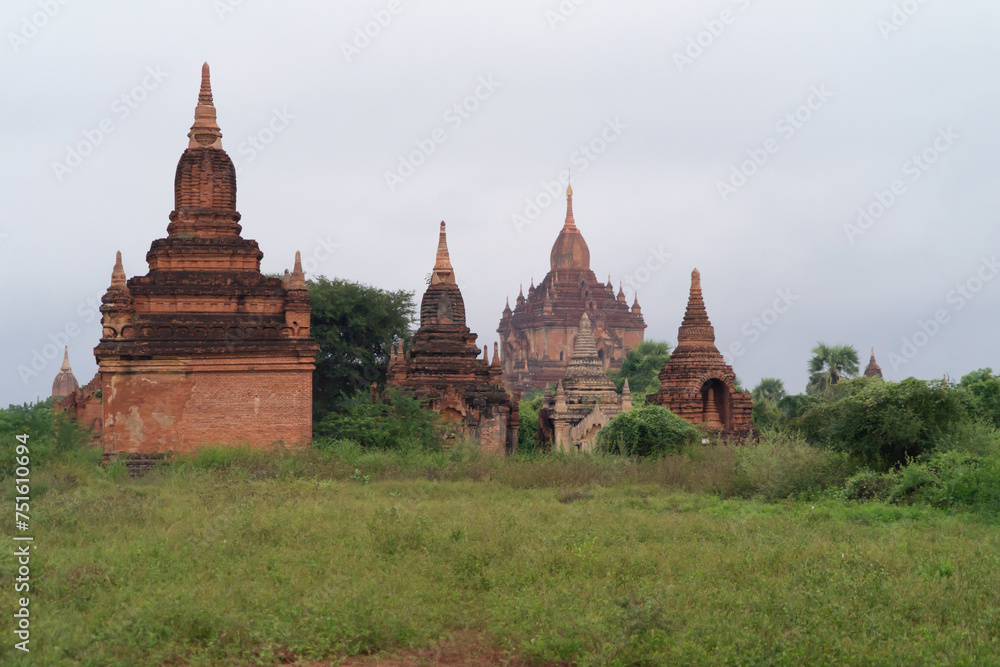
<point x="982" y="388"/>
<point x="641" y="367"/>
<point x="830" y="363"/>
<point x="355" y="326"/>
<point x="768" y="389"/>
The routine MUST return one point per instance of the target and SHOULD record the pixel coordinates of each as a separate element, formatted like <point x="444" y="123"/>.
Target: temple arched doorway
<point x="715" y="405"/>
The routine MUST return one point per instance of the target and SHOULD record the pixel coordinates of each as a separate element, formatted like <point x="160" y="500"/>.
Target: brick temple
<point x="584" y="400"/>
<point x="443" y="366"/>
<point x="203" y="349"/>
<point x="696" y="383"/>
<point x="538" y="335"/>
<point x="873" y="370"/>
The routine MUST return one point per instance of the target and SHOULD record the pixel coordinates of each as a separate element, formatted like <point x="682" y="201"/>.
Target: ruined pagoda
<point x="203" y="349"/>
<point x="584" y="400"/>
<point x="537" y="336"/>
<point x="442" y="366"/>
<point x="696" y="383"/>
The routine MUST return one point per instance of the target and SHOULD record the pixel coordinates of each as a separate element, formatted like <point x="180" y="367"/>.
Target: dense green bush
<point x="766" y="415"/>
<point x="982" y="389"/>
<point x="48" y="436"/>
<point x="870" y="485"/>
<point x="527" y="432"/>
<point x="399" y="421"/>
<point x="885" y="423"/>
<point x="651" y="430"/>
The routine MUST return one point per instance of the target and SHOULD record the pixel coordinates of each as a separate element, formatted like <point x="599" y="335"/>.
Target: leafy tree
<point x="828" y="364"/>
<point x="527" y="431"/>
<point x="650" y="430"/>
<point x="796" y="405"/>
<point x="886" y="423"/>
<point x="771" y="390"/>
<point x="982" y="389"/>
<point x="396" y="422"/>
<point x="766" y="415"/>
<point x="642" y="366"/>
<point x="355" y="326"/>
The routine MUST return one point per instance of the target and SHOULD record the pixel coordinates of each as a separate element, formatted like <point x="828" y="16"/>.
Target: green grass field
<point x="256" y="559"/>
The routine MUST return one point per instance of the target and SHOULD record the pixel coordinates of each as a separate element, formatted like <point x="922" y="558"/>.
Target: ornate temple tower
<point x="584" y="400"/>
<point x="203" y="349"/>
<point x="538" y="335"/>
<point x="442" y="366"/>
<point x="696" y="383"/>
<point x="873" y="370"/>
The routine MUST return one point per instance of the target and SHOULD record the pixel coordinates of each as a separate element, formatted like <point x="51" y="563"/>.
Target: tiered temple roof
<point x="537" y="335"/>
<point x="442" y="365"/>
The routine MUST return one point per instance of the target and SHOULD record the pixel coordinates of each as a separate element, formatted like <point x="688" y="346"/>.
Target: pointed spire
<point x="64" y="383"/>
<point x="570" y="222"/>
<point x="873" y="369"/>
<point x="443" y="273"/>
<point x="205" y="132"/>
<point x="118" y="274"/>
<point x="696" y="330"/>
<point x="298" y="279"/>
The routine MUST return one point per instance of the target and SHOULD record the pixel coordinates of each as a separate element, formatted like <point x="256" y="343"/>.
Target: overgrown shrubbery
<point x="884" y="424"/>
<point x="650" y="430"/>
<point x="783" y="465"/>
<point x="982" y="393"/>
<point x="398" y="422"/>
<point x="48" y="437"/>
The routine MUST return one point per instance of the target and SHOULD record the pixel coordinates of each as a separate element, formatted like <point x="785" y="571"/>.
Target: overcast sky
<point x="740" y="137"/>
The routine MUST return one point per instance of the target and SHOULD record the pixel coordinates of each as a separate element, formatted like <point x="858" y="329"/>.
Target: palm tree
<point x="768" y="389"/>
<point x="829" y="364"/>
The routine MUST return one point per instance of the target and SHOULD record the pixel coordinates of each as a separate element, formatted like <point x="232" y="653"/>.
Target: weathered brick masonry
<point x="203" y="349"/>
